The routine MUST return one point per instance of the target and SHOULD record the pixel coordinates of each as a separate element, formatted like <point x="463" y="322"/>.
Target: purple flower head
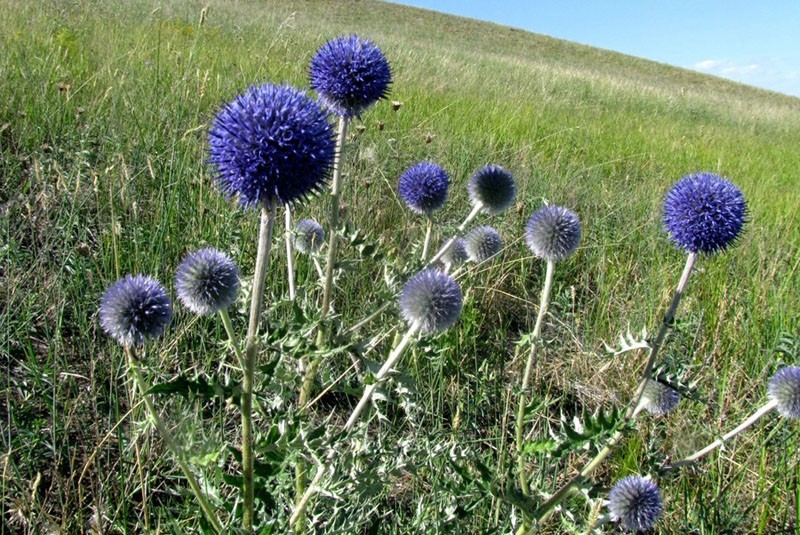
<point x="272" y="143"/>
<point x="350" y="74"/>
<point x="704" y="213"/>
<point x="308" y="236"/>
<point x="482" y="243"/>
<point x="456" y="254"/>
<point x="659" y="398"/>
<point x="784" y="388"/>
<point x="423" y="187"/>
<point x="207" y="281"/>
<point x="134" y="309"/>
<point x="432" y="298"/>
<point x="493" y="188"/>
<point x="636" y="502"/>
<point x="553" y="233"/>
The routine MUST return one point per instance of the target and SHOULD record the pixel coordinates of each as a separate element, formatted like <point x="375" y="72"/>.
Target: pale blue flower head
<point x="433" y="299"/>
<point x="207" y="281"/>
<point x="636" y="502"/>
<point x="135" y="309"/>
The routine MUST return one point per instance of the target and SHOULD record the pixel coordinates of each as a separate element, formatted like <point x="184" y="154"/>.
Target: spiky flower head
<point x="636" y="502"/>
<point x="423" y="187"/>
<point x="308" y="236"/>
<point x="207" y="281"/>
<point x="482" y="243"/>
<point x="456" y="254"/>
<point x="493" y="188"/>
<point x="553" y="233"/>
<point x="432" y="298"/>
<point x="784" y="389"/>
<point x="704" y="213"/>
<point x="272" y="143"/>
<point x="659" y="399"/>
<point x="350" y="74"/>
<point x="134" y="309"/>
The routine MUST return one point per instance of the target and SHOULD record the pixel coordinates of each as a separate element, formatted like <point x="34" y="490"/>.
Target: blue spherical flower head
<point x="350" y="74"/>
<point x="482" y="243"/>
<point x="553" y="233"/>
<point x="272" y="143"/>
<point x="493" y="188"/>
<point x="784" y="388"/>
<point x="660" y="399"/>
<point x="456" y="254"/>
<point x="423" y="187"/>
<point x="308" y="236"/>
<point x="207" y="281"/>
<point x="432" y="298"/>
<point x="135" y="309"/>
<point x="636" y="502"/>
<point x="704" y="213"/>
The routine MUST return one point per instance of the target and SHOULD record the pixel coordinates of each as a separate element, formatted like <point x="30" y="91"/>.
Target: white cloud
<point x="771" y="73"/>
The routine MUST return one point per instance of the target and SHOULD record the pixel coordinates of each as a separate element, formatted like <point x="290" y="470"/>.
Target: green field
<point x="105" y="112"/>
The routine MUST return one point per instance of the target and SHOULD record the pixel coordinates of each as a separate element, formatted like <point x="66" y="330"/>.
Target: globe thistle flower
<point x="134" y="309"/>
<point x="272" y="143"/>
<point x="659" y="399"/>
<point x="432" y="298"/>
<point x="456" y="254"/>
<point x="704" y="213"/>
<point x="207" y="281"/>
<point x="482" y="243"/>
<point x="308" y="236"/>
<point x="636" y="502"/>
<point x="423" y="187"/>
<point x="350" y="74"/>
<point x="553" y="233"/>
<point x="492" y="188"/>
<point x="784" y="389"/>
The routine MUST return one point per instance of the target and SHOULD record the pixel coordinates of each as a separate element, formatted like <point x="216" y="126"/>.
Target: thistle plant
<point x="271" y="145"/>
<point x="423" y="187"/>
<point x="482" y="243"/>
<point x="636" y="502"/>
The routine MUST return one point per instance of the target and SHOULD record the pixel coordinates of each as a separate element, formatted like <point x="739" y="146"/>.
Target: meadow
<point x="103" y="167"/>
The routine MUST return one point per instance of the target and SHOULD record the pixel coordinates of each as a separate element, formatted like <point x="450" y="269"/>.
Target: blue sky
<point x="756" y="42"/>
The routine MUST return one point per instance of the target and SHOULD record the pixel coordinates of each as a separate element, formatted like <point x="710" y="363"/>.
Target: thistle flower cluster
<point x="456" y="254"/>
<point x="553" y="233"/>
<point x="482" y="243"/>
<point x="423" y="187"/>
<point x="433" y="299"/>
<point x="272" y="143"/>
<point x="308" y="236"/>
<point x="350" y="74"/>
<point x="207" y="281"/>
<point x="659" y="399"/>
<point x="784" y="389"/>
<point x="636" y="502"/>
<point x="135" y="309"/>
<point x="493" y="188"/>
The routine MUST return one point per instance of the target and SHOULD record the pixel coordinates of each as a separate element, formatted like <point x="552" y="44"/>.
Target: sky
<point x="756" y="42"/>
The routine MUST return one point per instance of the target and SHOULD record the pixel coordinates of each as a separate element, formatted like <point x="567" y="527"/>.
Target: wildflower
<point x="432" y="298"/>
<point x="423" y="187"/>
<point x="493" y="188"/>
<point x="784" y="389"/>
<point x="308" y="236"/>
<point x="456" y="254"/>
<point x="482" y="243"/>
<point x="704" y="213"/>
<point x="350" y="74"/>
<point x="207" y="281"/>
<point x="636" y="502"/>
<point x="659" y="399"/>
<point x="553" y="233"/>
<point x="134" y="309"/>
<point x="272" y="143"/>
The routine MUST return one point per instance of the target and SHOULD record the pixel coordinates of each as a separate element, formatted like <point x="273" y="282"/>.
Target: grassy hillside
<point x="106" y="108"/>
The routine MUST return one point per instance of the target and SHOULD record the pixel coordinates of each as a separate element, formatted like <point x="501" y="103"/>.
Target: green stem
<point x="526" y="378"/>
<point x="251" y="350"/>
<point x="166" y="436"/>
<point x="547" y="507"/>
<point x="226" y="321"/>
<point x="333" y="223"/>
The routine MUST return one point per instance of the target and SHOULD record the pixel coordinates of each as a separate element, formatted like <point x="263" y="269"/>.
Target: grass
<point x="102" y="158"/>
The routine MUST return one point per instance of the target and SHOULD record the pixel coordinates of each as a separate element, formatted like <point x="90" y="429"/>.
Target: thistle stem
<point x="251" y="350"/>
<point x="460" y="230"/>
<point x="753" y="418"/>
<point x="394" y="356"/>
<point x="426" y="245"/>
<point x="226" y="321"/>
<point x="333" y="223"/>
<point x="166" y="436"/>
<point x="289" y="254"/>
<point x="545" y="510"/>
<point x="526" y="378"/>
